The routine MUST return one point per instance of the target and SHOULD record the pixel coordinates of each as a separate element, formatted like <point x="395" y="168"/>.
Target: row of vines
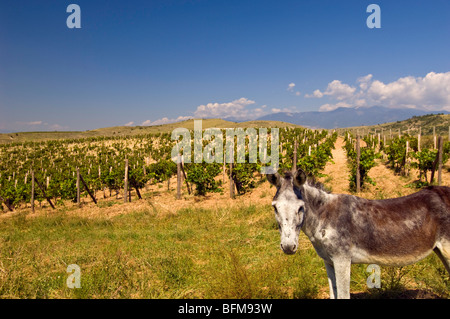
<point x="101" y="162"/>
<point x="401" y="153"/>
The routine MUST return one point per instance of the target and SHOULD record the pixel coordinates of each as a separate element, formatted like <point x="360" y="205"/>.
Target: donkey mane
<point x="310" y="181"/>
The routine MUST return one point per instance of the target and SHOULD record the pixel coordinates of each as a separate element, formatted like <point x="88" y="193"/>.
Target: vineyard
<point x="57" y="165"/>
<point x="113" y="203"/>
<point x="101" y="163"/>
<point x="403" y="154"/>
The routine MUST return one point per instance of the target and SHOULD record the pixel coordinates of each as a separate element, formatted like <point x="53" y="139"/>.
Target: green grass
<point x="201" y="253"/>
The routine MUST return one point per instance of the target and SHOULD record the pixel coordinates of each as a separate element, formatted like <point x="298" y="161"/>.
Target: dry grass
<point x="227" y="252"/>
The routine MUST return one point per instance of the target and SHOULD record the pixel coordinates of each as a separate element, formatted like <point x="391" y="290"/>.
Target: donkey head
<point x="289" y="207"/>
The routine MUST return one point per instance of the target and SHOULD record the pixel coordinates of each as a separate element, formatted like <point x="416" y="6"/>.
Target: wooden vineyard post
<point x="434" y="137"/>
<point x="179" y="176"/>
<point x="418" y="142"/>
<point x="43" y="192"/>
<point x="32" y="191"/>
<point x="224" y="166"/>
<point x="294" y="165"/>
<point x="231" y="176"/>
<point x="85" y="186"/>
<point x="437" y="162"/>
<point x="406" y="159"/>
<point x="78" y="187"/>
<point x="440" y="150"/>
<point x="379" y="141"/>
<point x="185" y="178"/>
<point x="138" y="193"/>
<point x="6" y="203"/>
<point x="358" y="175"/>
<point x="125" y="194"/>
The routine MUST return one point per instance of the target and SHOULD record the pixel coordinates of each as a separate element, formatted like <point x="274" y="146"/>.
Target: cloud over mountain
<point x="431" y="93"/>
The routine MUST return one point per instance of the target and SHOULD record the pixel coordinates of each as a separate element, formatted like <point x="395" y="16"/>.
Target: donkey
<point x="346" y="229"/>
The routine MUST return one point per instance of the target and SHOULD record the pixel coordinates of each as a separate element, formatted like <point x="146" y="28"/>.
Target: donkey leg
<point x="443" y="252"/>
<point x="331" y="280"/>
<point x="342" y="268"/>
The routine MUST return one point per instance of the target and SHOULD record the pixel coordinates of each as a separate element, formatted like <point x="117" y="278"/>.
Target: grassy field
<point x="227" y="252"/>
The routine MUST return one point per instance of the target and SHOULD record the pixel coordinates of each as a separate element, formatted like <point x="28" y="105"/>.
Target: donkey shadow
<point x="396" y="294"/>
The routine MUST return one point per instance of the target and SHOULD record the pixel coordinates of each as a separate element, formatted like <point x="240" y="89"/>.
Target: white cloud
<point x="291" y="87"/>
<point x="431" y="92"/>
<point x="291" y="109"/>
<point x="129" y="123"/>
<point x="316" y="94"/>
<point x="31" y="123"/>
<point x="235" y="109"/>
<point x="241" y="109"/>
<point x="364" y="81"/>
<point x="331" y="107"/>
<point x="360" y="103"/>
<point x="165" y="120"/>
<point x="39" y="125"/>
<point x="338" y="90"/>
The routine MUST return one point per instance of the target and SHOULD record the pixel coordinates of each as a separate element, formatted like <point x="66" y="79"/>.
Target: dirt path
<point x="337" y="172"/>
<point x="387" y="184"/>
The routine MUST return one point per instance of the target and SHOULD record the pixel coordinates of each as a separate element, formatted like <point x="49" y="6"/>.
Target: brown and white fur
<point x="346" y="229"/>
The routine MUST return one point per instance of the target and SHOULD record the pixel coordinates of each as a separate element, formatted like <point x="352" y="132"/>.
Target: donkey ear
<point x="299" y="177"/>
<point x="274" y="179"/>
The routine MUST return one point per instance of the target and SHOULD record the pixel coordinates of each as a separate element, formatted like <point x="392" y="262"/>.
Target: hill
<point x="346" y="117"/>
<point x="133" y="130"/>
<point x="424" y="124"/>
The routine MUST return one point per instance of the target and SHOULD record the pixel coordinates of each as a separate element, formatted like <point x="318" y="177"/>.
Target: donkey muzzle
<point x="289" y="248"/>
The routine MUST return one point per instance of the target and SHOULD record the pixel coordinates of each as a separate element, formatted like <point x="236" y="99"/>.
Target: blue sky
<point x="150" y="62"/>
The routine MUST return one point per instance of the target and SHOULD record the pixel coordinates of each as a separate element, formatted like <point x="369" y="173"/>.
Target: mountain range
<point x="347" y="117"/>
